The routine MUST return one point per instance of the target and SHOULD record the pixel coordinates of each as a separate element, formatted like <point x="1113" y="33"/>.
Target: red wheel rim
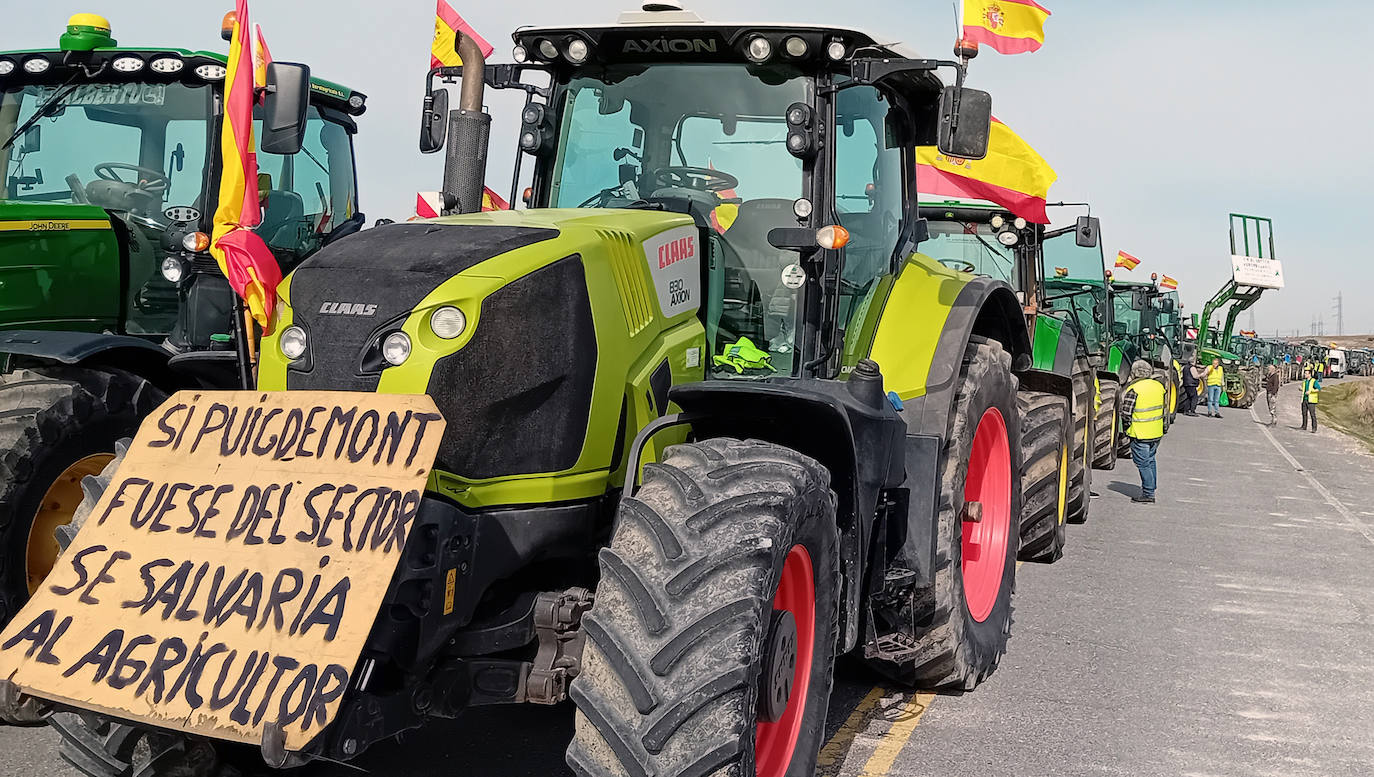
<point x="775" y="742"/>
<point x="984" y="542"/>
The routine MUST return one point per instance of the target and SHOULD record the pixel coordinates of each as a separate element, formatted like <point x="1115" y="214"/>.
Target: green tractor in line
<point x="1243" y="376"/>
<point x="688" y="464"/>
<point x="1059" y="400"/>
<point x="109" y="299"/>
<point x="1147" y="319"/>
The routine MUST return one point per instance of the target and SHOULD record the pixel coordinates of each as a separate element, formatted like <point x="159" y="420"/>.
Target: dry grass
<point x="1349" y="406"/>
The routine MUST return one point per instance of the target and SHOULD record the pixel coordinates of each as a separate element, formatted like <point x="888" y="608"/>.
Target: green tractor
<point x="1147" y="321"/>
<point x="1077" y="289"/>
<point x="719" y="274"/>
<point x="1243" y="376"/>
<point x="108" y="297"/>
<point x="1058" y="397"/>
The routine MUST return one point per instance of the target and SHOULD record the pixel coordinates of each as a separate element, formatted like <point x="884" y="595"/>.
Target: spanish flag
<point x="1165" y="282"/>
<point x="1008" y="26"/>
<point x="492" y="201"/>
<point x="1012" y="175"/>
<point x="447" y="25"/>
<point x="261" y="59"/>
<point x="1124" y="259"/>
<point x="243" y="257"/>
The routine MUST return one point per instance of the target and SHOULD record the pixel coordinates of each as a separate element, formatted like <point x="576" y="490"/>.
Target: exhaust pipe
<point x="469" y="129"/>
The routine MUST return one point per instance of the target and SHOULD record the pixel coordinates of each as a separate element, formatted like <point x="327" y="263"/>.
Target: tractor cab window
<point x="1074" y="284"/>
<point x="869" y="193"/>
<point x="709" y="141"/>
<point x="307" y="195"/>
<point x="971" y="247"/>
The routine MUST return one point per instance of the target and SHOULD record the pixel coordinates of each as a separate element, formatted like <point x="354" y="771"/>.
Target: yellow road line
<point x="890" y="746"/>
<point x="834" y="751"/>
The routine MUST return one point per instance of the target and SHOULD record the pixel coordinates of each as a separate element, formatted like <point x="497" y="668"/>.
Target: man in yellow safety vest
<point x="1311" y="394"/>
<point x="1142" y="405"/>
<point x="1216" y="381"/>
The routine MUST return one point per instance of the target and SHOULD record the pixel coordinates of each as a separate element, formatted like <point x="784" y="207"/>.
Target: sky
<point x="1167" y="115"/>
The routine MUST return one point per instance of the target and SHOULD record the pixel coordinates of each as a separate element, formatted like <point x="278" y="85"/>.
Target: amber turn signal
<point x="832" y="237"/>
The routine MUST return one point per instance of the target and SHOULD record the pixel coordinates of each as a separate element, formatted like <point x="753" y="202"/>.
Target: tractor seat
<point x="748" y="236"/>
<point x="282" y="219"/>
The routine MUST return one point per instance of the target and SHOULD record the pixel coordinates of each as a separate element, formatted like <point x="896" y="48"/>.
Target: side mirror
<point x="434" y="122"/>
<point x="288" y="97"/>
<point x="1086" y="232"/>
<point x="965" y="122"/>
<point x="1166" y="305"/>
<point x="33" y="140"/>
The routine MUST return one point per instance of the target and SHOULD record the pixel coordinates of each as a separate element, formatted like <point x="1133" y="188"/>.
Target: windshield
<point x="1123" y="313"/>
<point x="972" y="248"/>
<point x="306" y="196"/>
<point x="709" y="140"/>
<point x="137" y="148"/>
<point x="1075" y="284"/>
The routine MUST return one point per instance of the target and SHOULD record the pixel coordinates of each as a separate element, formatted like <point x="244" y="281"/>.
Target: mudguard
<point x="85" y="348"/>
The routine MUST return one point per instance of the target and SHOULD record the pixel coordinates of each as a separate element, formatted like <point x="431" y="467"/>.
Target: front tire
<point x="726" y="544"/>
<point x="1104" y="427"/>
<point x="1080" y="459"/>
<point x="1044" y="475"/>
<point x="57" y="425"/>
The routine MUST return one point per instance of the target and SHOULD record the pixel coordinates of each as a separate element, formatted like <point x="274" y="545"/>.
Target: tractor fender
<point x="862" y="446"/>
<point x="88" y="349"/>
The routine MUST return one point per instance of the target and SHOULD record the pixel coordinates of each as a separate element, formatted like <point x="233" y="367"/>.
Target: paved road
<point x="1223" y="631"/>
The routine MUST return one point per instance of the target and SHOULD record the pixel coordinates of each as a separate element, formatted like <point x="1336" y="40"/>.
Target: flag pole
<point x="243" y="343"/>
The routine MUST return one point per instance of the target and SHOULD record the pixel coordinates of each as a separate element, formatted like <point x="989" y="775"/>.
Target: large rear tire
<point x="963" y="621"/>
<point x="1080" y="459"/>
<point x="57" y="425"/>
<point x="1044" y="475"/>
<point x="711" y="645"/>
<point x="1104" y="427"/>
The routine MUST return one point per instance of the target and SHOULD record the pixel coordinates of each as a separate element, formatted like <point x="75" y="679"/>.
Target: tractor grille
<point x="627" y="264"/>
<point x="518" y="395"/>
<point x="392" y="268"/>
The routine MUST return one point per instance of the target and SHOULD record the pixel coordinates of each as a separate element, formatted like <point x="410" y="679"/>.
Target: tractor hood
<point x="48" y="250"/>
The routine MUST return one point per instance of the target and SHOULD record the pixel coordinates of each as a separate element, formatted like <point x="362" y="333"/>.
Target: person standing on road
<point x="1142" y="404"/>
<point x="1272" y="381"/>
<point x="1311" y="394"/>
<point x="1216" y="378"/>
<point x="1190" y="389"/>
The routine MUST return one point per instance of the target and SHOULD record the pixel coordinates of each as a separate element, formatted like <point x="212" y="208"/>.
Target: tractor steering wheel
<point x="702" y="179"/>
<point x="149" y="179"/>
<point x="960" y="265"/>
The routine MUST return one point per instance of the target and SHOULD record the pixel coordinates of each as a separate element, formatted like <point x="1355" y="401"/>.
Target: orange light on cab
<point x="226" y="26"/>
<point x="832" y="237"/>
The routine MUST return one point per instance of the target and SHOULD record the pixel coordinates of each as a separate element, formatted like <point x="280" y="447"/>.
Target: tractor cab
<point x="791" y="147"/>
<point x="112" y="154"/>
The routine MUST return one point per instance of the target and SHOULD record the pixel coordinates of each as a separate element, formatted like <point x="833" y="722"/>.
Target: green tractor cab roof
<point x="87" y="47"/>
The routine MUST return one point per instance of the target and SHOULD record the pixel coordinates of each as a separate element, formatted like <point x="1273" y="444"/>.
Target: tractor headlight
<point x="211" y="72"/>
<point x="129" y="64"/>
<point x="835" y="50"/>
<point x="448" y="322"/>
<point x="36" y="65"/>
<point x="6" y="67"/>
<point x="173" y="270"/>
<point x="293" y="342"/>
<point x="396" y="348"/>
<point x="1007" y="238"/>
<point x="167" y="65"/>
<point x="759" y="49"/>
<point x="520" y="54"/>
<point x="795" y="47"/>
<point x="578" y="51"/>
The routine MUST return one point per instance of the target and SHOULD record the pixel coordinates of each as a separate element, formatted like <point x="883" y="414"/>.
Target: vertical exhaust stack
<point x="465" y="161"/>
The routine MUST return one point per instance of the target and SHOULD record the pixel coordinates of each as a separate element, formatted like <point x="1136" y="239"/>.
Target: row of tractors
<point x="726" y="401"/>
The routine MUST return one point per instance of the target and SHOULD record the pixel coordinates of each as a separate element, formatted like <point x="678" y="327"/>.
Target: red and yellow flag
<point x="1007" y="26"/>
<point x="243" y="257"/>
<point x="1012" y="175"/>
<point x="447" y="25"/>
<point x="492" y="201"/>
<point x="261" y="59"/>
<point x="1165" y="282"/>
<point x="1124" y="259"/>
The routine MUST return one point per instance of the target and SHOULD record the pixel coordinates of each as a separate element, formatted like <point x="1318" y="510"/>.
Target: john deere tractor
<point x="108" y="298"/>
<point x="1243" y="376"/>
<point x="720" y="274"/>
<point x="1058" y="397"/>
<point x="1077" y="290"/>
<point x="1147" y="319"/>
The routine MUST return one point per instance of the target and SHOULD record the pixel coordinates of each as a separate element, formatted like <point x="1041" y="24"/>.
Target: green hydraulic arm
<point x="1241" y="298"/>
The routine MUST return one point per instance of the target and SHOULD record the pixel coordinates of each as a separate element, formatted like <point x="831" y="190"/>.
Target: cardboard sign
<point x="1260" y="273"/>
<point x="229" y="575"/>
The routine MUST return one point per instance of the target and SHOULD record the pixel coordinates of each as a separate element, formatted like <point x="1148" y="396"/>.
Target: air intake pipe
<point x="469" y="129"/>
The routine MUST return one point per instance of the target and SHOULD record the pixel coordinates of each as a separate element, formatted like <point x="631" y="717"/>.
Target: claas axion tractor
<point x="109" y="299"/>
<point x="1058" y="393"/>
<point x="714" y="418"/>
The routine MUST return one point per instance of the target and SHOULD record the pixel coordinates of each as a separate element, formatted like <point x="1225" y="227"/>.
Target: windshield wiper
<point x="48" y="105"/>
<point x="989" y="248"/>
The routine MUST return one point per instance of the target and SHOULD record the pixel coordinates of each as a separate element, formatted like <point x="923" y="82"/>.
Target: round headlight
<point x="167" y="65"/>
<point x="355" y="101"/>
<point x="6" y="67"/>
<point x="529" y="141"/>
<point x="794" y="46"/>
<point x="173" y="270"/>
<point x="1019" y="223"/>
<point x="127" y="64"/>
<point x="211" y="72"/>
<point x="835" y="50"/>
<point x="292" y="342"/>
<point x="520" y="54"/>
<point x="578" y="51"/>
<point x="448" y="322"/>
<point x="759" y="49"/>
<point x="36" y="65"/>
<point x="1007" y="238"/>
<point x="547" y="49"/>
<point x="997" y="222"/>
<point x="396" y="348"/>
<point x="802" y="208"/>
